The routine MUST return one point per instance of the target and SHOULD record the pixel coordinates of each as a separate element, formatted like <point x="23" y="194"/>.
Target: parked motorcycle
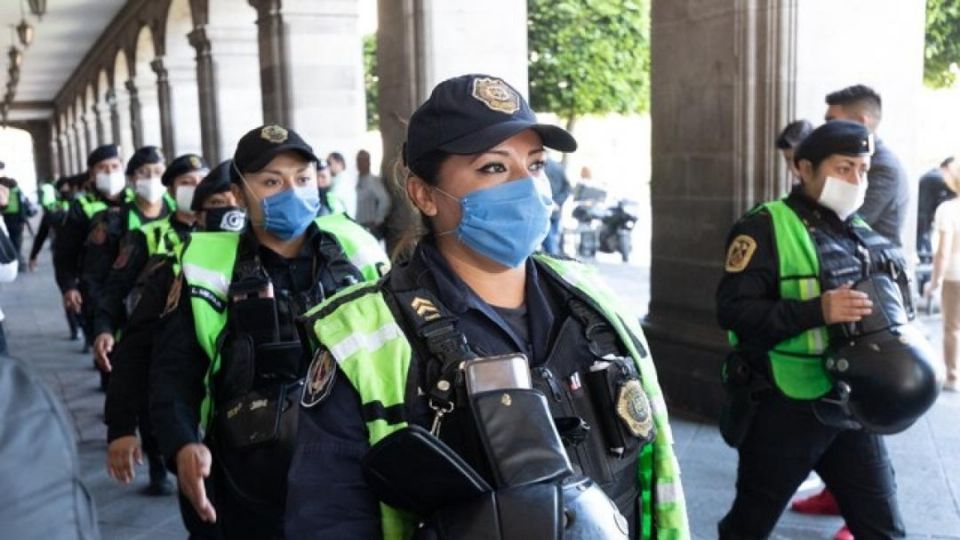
<point x="606" y="228"/>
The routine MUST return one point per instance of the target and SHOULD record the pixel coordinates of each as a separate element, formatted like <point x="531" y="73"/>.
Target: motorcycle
<point x="608" y="229"/>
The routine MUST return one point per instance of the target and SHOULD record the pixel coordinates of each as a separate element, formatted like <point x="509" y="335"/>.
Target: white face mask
<point x="185" y="198"/>
<point x="150" y="189"/>
<point x="110" y="183"/>
<point x="843" y="197"/>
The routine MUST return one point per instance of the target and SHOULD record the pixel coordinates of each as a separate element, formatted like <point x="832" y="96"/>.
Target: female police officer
<point x="229" y="349"/>
<point x="390" y="353"/>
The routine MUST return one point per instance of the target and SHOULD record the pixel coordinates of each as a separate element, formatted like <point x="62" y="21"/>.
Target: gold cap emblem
<point x="195" y="162"/>
<point x="496" y="94"/>
<point x="274" y="134"/>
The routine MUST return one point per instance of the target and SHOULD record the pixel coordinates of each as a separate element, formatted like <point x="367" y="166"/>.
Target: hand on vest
<point x="102" y="347"/>
<point x="843" y="304"/>
<point x="193" y="465"/>
<point x="72" y="301"/>
<point x="121" y="455"/>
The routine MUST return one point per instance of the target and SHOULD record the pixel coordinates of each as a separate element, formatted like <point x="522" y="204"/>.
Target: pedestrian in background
<point x="946" y="278"/>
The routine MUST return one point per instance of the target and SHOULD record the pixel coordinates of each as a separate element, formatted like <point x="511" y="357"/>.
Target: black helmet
<point x="885" y="380"/>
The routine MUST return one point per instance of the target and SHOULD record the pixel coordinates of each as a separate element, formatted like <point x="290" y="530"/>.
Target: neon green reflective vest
<point x="161" y="237"/>
<point x="13" y="202"/>
<point x="360" y="247"/>
<point x="373" y="352"/>
<point x="133" y="219"/>
<point x="91" y="205"/>
<point x="336" y="205"/>
<point x="48" y="197"/>
<point x="207" y="262"/>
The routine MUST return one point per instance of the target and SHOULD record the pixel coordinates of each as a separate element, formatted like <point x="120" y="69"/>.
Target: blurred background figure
<point x="344" y="185"/>
<point x="946" y="277"/>
<point x="787" y="141"/>
<point x="373" y="201"/>
<point x="560" y="192"/>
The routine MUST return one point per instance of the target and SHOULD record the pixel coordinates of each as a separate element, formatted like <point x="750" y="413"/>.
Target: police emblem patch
<point x="496" y="95"/>
<point x="274" y="134"/>
<point x="195" y="162"/>
<point x="739" y="253"/>
<point x="99" y="234"/>
<point x="320" y="377"/>
<point x="633" y="408"/>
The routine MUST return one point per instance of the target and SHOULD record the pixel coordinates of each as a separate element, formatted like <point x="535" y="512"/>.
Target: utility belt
<point x="257" y="392"/>
<point x="515" y="429"/>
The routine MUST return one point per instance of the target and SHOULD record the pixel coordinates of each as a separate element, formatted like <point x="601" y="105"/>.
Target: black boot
<point x="159" y="485"/>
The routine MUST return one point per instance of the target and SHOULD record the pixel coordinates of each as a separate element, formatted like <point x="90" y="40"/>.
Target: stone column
<point x="101" y="113"/>
<point x="90" y="128"/>
<point x="55" y="167"/>
<point x="319" y="94"/>
<point x="79" y="137"/>
<point x="185" y="106"/>
<point x="115" y="127"/>
<point x="422" y="42"/>
<point x="227" y="83"/>
<point x="63" y="158"/>
<point x="136" y="120"/>
<point x="166" y="107"/>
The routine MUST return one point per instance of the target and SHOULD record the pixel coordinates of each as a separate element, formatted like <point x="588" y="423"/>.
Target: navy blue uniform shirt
<point x="327" y="496"/>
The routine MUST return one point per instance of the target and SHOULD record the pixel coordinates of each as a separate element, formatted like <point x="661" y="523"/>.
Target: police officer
<point x="125" y="407"/>
<point x="389" y="362"/>
<point x="106" y="183"/>
<point x="138" y="245"/>
<point x="233" y="354"/>
<point x="148" y="202"/>
<point x="790" y="296"/>
<point x="15" y="212"/>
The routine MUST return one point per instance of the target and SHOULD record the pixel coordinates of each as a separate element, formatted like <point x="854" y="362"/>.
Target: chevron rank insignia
<point x="425" y="309"/>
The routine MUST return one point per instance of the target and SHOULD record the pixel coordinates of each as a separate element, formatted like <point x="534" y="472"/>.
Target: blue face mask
<point x="507" y="222"/>
<point x="288" y="213"/>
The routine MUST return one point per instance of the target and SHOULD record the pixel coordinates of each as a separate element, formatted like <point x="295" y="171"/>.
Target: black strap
<point x="602" y="339"/>
<point x="436" y="327"/>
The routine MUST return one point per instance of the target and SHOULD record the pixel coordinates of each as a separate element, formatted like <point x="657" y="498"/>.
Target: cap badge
<point x="273" y="134"/>
<point x="496" y="95"/>
<point x="194" y="162"/>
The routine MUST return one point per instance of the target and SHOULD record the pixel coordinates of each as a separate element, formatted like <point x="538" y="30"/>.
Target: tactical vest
<point x="13" y="202"/>
<point x="92" y="205"/>
<point x="809" y="262"/>
<point x="48" y="197"/>
<point x="371" y="349"/>
<point x="207" y="262"/>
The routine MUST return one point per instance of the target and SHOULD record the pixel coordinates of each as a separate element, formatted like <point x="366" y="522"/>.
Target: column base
<point x="688" y="354"/>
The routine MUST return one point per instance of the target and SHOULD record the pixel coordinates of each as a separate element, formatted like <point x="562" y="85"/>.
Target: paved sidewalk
<point x="927" y="457"/>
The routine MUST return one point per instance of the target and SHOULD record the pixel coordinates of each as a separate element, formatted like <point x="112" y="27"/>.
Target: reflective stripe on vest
<point x="360" y="247"/>
<point x="13" y="202"/>
<point x="374" y="354"/>
<point x="797" y="362"/>
<point x="207" y="264"/>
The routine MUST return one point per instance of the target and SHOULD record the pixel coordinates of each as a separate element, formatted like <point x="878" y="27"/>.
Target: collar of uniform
<point x="812" y="211"/>
<point x="180" y="226"/>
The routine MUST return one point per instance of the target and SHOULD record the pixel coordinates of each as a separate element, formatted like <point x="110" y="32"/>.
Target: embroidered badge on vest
<point x="496" y="94"/>
<point x="320" y="377"/>
<point x="739" y="253"/>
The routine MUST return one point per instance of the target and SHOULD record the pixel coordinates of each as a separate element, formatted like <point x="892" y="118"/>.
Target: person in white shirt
<point x="373" y="201"/>
<point x="946" y="277"/>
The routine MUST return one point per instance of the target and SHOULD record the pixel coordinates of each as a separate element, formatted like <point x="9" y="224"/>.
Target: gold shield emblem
<point x="739" y="253"/>
<point x="633" y="408"/>
<point x="195" y="162"/>
<point x="274" y="134"/>
<point x="496" y="95"/>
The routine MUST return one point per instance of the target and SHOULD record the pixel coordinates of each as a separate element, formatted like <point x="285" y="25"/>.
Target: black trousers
<point x="15" y="225"/>
<point x="784" y="443"/>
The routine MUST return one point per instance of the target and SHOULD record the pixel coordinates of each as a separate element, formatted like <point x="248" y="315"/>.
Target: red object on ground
<point x="822" y="504"/>
<point x="843" y="534"/>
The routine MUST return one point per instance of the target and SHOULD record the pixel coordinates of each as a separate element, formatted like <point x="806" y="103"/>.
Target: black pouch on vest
<point x="625" y="416"/>
<point x="519" y="513"/>
<point x="256" y="434"/>
<point x="279" y="362"/>
<point x="521" y="441"/>
<point x="414" y="471"/>
<point x="742" y="385"/>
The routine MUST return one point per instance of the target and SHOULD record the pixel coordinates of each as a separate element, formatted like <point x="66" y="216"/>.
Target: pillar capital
<point x="200" y="41"/>
<point x="158" y="67"/>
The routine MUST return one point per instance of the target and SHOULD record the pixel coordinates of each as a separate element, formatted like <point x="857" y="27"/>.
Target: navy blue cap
<point x="146" y="155"/>
<point x="262" y="144"/>
<point x="835" y="137"/>
<point x="184" y="164"/>
<point x="101" y="153"/>
<point x="216" y="181"/>
<point x="470" y="114"/>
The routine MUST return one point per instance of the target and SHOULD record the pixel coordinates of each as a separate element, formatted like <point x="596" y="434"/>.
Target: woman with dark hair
<point x="478" y="378"/>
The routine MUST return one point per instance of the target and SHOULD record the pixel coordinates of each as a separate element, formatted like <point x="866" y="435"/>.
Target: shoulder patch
<point x="98" y="235"/>
<point x="739" y="253"/>
<point x="320" y="376"/>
